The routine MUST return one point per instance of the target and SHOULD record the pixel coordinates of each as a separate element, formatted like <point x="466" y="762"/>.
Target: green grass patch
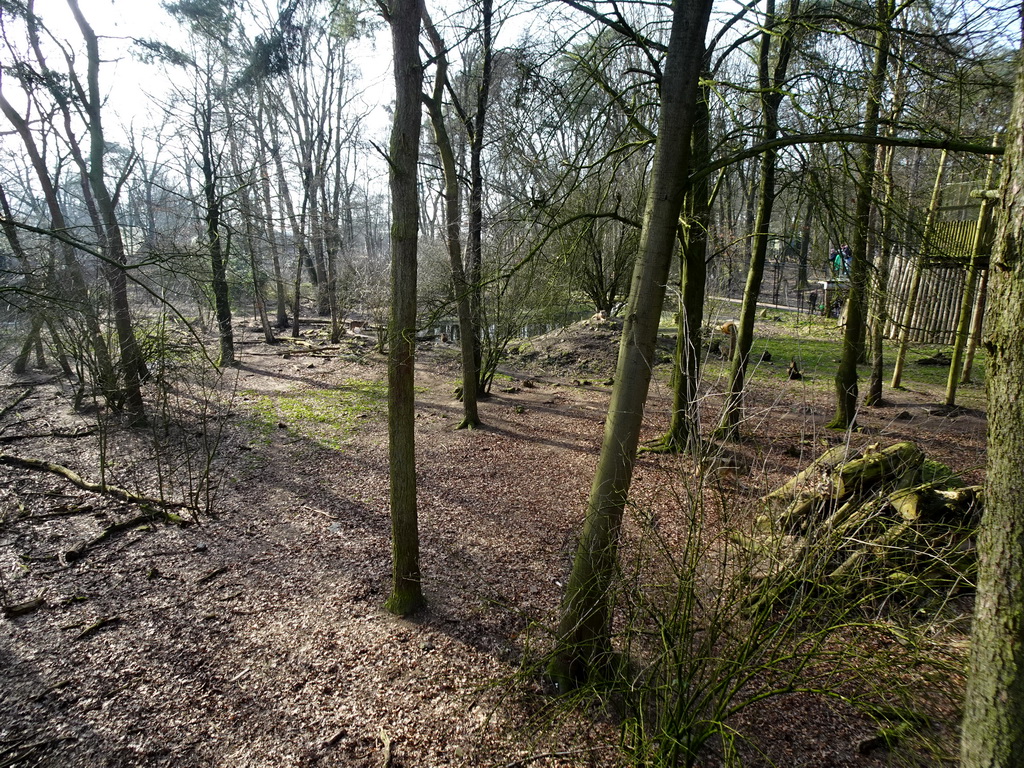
<point x="327" y="417"/>
<point x="815" y="344"/>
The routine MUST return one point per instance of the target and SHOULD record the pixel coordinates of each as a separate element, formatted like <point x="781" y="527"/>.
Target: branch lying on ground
<point x="15" y="404"/>
<point x="109" y="490"/>
<point x="87" y="432"/>
<point x="78" y="551"/>
<point x="10" y="610"/>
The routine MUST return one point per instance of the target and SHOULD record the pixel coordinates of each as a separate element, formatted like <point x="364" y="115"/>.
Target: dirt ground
<point x="255" y="636"/>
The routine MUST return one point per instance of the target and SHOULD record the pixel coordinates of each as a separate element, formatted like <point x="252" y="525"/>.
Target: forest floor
<point x="256" y="635"/>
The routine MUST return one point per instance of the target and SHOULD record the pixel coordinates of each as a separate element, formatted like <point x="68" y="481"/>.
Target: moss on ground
<point x="327" y="417"/>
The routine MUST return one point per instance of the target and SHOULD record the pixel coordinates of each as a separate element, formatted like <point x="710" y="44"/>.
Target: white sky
<point x="127" y="83"/>
<point x="132" y="87"/>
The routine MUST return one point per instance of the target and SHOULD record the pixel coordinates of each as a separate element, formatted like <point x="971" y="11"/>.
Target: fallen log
<point x="899" y="464"/>
<point x="814" y="493"/>
<point x="808" y="482"/>
<point x="102" y="488"/>
<point x="865" y="520"/>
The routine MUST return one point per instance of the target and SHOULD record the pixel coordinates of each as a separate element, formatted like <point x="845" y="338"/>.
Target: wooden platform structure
<point x="943" y="257"/>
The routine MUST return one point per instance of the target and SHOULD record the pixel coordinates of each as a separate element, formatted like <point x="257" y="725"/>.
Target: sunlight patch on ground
<point x="327" y="417"/>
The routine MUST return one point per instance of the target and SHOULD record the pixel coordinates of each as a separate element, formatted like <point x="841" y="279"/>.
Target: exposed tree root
<point x="663" y="445"/>
<point x="672" y="443"/>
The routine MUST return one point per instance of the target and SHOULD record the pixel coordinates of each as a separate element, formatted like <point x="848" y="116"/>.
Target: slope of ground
<point x="255" y="636"/>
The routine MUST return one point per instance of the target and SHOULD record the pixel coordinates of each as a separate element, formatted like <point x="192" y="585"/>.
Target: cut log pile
<point x="875" y="522"/>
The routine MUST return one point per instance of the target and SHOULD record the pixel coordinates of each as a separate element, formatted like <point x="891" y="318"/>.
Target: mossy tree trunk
<point x="581" y="651"/>
<point x="684" y="427"/>
<point x="885" y="246"/>
<point x="963" y="329"/>
<point x="910" y="308"/>
<point x="406" y="592"/>
<point x="846" y="376"/>
<point x="772" y="82"/>
<point x="993" y="725"/>
<point x="880" y="300"/>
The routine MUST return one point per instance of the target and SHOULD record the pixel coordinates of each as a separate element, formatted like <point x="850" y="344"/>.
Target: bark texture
<point x="406" y="593"/>
<point x="453" y="228"/>
<point x="581" y="651"/>
<point x="993" y="727"/>
<point x="684" y="427"/>
<point x="846" y="375"/>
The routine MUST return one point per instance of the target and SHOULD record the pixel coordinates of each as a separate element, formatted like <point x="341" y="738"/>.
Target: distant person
<point x="839" y="260"/>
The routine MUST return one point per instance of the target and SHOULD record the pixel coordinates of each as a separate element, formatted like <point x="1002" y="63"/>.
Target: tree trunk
<point x="309" y="139"/>
<point x="245" y="208"/>
<point x="453" y="226"/>
<point x="335" y="240"/>
<point x="75" y="275"/>
<point x="476" y="196"/>
<point x="212" y="220"/>
<point x="32" y="341"/>
<point x="132" y="366"/>
<point x="977" y="321"/>
<point x="684" y="426"/>
<point x="582" y="637"/>
<point x="297" y="227"/>
<point x="846" y="375"/>
<point x="34" y="337"/>
<point x="885" y="249"/>
<point x="880" y="314"/>
<point x="910" y="309"/>
<point x="771" y="97"/>
<point x="993" y="725"/>
<point x="805" y="248"/>
<point x="268" y="207"/>
<point x="406" y="591"/>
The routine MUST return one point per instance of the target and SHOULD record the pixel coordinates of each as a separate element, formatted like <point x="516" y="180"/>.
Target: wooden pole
<point x="915" y="282"/>
<point x="978" y="319"/>
<point x="963" y="327"/>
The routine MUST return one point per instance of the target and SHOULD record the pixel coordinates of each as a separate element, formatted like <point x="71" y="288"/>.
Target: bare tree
<point x="453" y="225"/>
